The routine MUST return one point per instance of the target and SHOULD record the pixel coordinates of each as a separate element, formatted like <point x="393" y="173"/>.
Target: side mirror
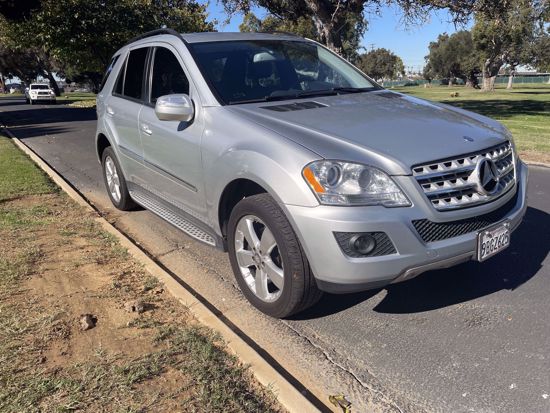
<point x="175" y="107"/>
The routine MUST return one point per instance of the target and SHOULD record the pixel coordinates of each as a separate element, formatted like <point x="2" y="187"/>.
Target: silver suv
<point x="308" y="173"/>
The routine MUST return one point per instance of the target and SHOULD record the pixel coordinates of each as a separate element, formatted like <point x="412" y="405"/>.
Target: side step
<point x="172" y="216"/>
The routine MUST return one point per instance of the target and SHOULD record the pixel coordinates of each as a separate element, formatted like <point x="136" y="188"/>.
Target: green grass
<point x="18" y="175"/>
<point x="76" y="96"/>
<point x="525" y="110"/>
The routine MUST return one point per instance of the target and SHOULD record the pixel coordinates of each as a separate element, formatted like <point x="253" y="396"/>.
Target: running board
<point x="170" y="215"/>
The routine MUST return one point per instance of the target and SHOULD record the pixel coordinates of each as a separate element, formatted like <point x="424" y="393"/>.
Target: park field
<point x="525" y="110"/>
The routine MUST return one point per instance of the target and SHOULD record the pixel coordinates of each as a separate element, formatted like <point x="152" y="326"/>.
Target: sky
<point x="386" y="30"/>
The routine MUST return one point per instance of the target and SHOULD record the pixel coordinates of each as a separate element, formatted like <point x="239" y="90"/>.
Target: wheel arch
<point x="102" y="142"/>
<point x="235" y="191"/>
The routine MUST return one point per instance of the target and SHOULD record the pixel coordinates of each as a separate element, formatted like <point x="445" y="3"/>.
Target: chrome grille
<point x="453" y="183"/>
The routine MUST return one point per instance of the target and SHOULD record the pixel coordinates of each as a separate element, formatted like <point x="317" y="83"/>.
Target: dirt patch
<point x="56" y="265"/>
<point x="535" y="157"/>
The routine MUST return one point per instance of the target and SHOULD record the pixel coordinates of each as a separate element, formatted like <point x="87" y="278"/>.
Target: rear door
<point x="123" y="108"/>
<point x="171" y="149"/>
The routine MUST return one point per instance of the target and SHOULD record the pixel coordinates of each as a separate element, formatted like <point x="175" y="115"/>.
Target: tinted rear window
<point x="135" y="69"/>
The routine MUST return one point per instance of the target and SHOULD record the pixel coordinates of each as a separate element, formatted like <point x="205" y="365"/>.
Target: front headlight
<point x="347" y="183"/>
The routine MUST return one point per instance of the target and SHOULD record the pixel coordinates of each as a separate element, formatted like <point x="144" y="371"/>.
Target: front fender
<point x="254" y="153"/>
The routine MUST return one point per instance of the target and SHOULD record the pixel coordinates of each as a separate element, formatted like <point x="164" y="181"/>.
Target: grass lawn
<point x="525" y="110"/>
<point x="57" y="265"/>
<point x="76" y="96"/>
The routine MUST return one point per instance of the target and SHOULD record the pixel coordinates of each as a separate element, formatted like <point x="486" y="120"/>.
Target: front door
<point x="171" y="149"/>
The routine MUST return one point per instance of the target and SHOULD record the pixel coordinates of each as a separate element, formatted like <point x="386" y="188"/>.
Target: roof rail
<point x="282" y="32"/>
<point x="156" y="33"/>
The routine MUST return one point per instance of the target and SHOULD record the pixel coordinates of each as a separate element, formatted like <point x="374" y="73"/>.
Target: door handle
<point x="146" y="130"/>
<point x="110" y="111"/>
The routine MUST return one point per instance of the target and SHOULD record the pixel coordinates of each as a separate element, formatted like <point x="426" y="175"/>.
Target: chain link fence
<point x="531" y="79"/>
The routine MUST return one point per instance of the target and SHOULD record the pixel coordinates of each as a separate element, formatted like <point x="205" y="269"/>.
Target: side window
<point x="120" y="80"/>
<point x="168" y="75"/>
<point x="135" y="69"/>
<point x="108" y="72"/>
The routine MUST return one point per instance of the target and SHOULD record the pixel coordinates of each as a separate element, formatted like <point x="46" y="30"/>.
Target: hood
<point x="385" y="129"/>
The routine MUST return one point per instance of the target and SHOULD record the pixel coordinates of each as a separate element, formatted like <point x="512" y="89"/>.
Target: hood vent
<point x="294" y="106"/>
<point x="389" y="95"/>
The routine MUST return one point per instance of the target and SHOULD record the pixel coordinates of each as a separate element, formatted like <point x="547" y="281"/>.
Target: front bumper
<point x="48" y="98"/>
<point x="339" y="273"/>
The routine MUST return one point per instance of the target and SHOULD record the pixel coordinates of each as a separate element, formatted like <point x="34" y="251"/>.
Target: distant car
<point x="39" y="91"/>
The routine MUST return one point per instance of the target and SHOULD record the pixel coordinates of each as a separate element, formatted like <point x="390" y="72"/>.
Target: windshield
<point x="258" y="70"/>
<point x="41" y="87"/>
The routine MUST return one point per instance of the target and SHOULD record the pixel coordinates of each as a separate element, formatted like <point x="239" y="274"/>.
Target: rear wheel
<point x="115" y="182"/>
<point x="268" y="260"/>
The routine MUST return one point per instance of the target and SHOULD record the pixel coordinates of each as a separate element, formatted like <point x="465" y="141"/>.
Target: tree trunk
<point x="510" y="81"/>
<point x="53" y="83"/>
<point x="328" y="24"/>
<point x="450" y="82"/>
<point x="491" y="67"/>
<point x="489" y="83"/>
<point x="2" y="84"/>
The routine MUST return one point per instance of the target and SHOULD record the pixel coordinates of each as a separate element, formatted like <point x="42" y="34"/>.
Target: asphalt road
<point x="474" y="338"/>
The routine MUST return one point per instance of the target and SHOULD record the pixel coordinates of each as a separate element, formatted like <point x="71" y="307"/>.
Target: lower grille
<point x="436" y="231"/>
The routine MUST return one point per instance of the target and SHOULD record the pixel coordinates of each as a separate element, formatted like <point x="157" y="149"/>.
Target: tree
<point x="381" y="64"/>
<point x="24" y="58"/>
<point x="453" y="57"/>
<point x="17" y="10"/>
<point x="340" y="24"/>
<point x="84" y="34"/>
<point x="302" y="26"/>
<point x="80" y="36"/>
<point x="540" y="53"/>
<point x="499" y="38"/>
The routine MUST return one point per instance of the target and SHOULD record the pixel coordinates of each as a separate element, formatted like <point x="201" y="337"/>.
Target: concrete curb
<point x="538" y="164"/>
<point x="287" y="395"/>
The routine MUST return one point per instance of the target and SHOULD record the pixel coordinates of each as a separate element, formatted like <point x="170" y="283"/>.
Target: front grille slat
<point x="452" y="183"/>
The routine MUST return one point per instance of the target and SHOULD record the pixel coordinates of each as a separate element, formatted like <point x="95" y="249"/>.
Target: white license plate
<point x="492" y="240"/>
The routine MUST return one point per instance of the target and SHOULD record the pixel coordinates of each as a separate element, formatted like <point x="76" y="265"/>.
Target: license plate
<point x="492" y="240"/>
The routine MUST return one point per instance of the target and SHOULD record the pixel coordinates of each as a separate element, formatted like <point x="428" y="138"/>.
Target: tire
<point x="299" y="290"/>
<point x="123" y="201"/>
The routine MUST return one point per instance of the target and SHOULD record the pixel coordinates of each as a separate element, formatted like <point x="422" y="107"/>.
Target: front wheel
<point x="268" y="261"/>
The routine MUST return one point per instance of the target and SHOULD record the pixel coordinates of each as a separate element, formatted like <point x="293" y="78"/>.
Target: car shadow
<point x="51" y="114"/>
<point x="11" y="102"/>
<point x="442" y="288"/>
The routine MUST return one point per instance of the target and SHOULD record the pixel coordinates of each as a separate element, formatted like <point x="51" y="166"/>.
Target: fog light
<point x="362" y="244"/>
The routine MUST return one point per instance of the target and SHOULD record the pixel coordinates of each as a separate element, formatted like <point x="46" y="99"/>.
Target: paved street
<point x="474" y="338"/>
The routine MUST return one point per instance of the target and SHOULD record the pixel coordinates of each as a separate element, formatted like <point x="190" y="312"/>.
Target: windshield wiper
<point x="305" y="93"/>
<point x="353" y="89"/>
